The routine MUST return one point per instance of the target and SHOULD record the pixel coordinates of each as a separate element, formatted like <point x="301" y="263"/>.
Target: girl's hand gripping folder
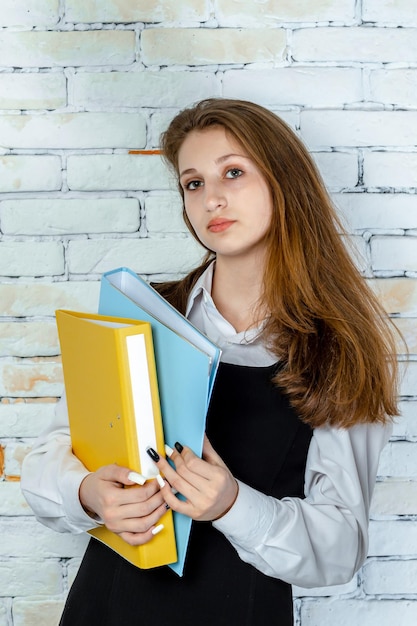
<point x="186" y="364"/>
<point x="114" y="411"/>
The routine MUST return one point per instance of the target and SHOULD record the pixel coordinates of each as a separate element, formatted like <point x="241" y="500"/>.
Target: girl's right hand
<point x="130" y="510"/>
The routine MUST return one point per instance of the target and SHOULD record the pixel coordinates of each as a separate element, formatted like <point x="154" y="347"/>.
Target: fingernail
<point x="168" y="450"/>
<point x="153" y="454"/>
<point x="178" y="447"/>
<point x="160" y="480"/>
<point x="157" y="529"/>
<point x="167" y="506"/>
<point x="136" y="478"/>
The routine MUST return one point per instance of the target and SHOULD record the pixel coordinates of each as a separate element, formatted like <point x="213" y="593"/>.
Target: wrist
<point x="230" y="505"/>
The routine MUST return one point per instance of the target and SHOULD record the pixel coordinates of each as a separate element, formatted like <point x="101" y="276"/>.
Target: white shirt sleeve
<point x="323" y="539"/>
<point x="51" y="478"/>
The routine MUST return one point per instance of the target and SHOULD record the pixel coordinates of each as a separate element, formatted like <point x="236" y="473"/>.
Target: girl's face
<point x="226" y="198"/>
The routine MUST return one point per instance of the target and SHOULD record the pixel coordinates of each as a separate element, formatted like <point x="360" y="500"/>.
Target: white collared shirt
<point x="316" y="541"/>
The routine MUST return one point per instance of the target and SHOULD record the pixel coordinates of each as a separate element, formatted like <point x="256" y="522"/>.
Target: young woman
<point x="299" y="413"/>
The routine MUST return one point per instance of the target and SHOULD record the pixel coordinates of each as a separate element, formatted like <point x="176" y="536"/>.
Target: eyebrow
<point x="217" y="161"/>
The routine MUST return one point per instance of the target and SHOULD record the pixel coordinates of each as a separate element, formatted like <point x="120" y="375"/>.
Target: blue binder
<point x="186" y="363"/>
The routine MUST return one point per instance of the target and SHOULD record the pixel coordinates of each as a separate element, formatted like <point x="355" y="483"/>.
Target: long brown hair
<point x="332" y="338"/>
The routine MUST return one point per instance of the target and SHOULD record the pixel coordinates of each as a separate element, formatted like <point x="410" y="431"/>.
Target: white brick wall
<point x="81" y="84"/>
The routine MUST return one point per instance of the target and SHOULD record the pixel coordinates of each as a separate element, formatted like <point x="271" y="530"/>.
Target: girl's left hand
<point x="207" y="485"/>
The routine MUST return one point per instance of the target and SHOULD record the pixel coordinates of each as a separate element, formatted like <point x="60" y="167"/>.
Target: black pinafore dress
<point x="258" y="435"/>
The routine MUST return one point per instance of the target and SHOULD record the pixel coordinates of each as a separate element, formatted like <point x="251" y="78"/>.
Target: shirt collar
<point x="202" y="286"/>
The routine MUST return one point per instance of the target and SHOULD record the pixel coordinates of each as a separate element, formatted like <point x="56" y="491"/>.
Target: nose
<point x="213" y="197"/>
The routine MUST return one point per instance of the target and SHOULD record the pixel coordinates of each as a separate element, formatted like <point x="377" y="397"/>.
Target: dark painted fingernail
<point x="153" y="454"/>
<point x="179" y="448"/>
<point x="167" y="506"/>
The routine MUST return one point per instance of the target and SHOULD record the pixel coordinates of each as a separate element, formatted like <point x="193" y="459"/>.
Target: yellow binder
<point x="114" y="411"/>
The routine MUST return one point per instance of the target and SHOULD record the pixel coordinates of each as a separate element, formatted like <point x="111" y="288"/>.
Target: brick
<point x="271" y="12"/>
<point x="142" y="89"/>
<point x="46" y="258"/>
<point x="390" y="577"/>
<point x="73" y="130"/>
<point x="26" y="611"/>
<point x="408" y="378"/>
<point x="359" y="128"/>
<point x="28" y="339"/>
<point x="30" y="13"/>
<point x="67" y="48"/>
<point x="164" y="214"/>
<point x="393" y="538"/>
<point x="206" y="46"/>
<point x="394" y="497"/>
<point x="394" y="86"/>
<point x="399" y="459"/>
<point x="331" y="590"/>
<point x="349" y="612"/>
<point x="394" y="253"/>
<point x="32" y="91"/>
<point x="406" y="425"/>
<point x="72" y="570"/>
<point x="311" y="86"/>
<point x="400" y="12"/>
<point x="109" y="172"/>
<point x="12" y="502"/>
<point x="26" y="578"/>
<point x="26" y="537"/>
<point x="14" y="454"/>
<point x="145" y="11"/>
<point x="25" y="417"/>
<point x="28" y="378"/>
<point x="30" y="173"/>
<point x="358" y="249"/>
<point x="143" y="256"/>
<point x="397" y="295"/>
<point x="21" y="300"/>
<point x="339" y="170"/>
<point x="377" y="211"/>
<point x="362" y="44"/>
<point x="390" y="169"/>
<point x="408" y="330"/>
<point x="61" y="216"/>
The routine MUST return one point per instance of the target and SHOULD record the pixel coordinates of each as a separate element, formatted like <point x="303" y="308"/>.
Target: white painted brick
<point x="331" y="590"/>
<point x="4" y="611"/>
<point x="143" y="256"/>
<point x="32" y="91"/>
<point x="30" y="173"/>
<point x="394" y="86"/>
<point x="399" y="458"/>
<point x="394" y="497"/>
<point x="206" y="46"/>
<point x="359" y="128"/>
<point x="26" y="578"/>
<point x="408" y="379"/>
<point x="26" y="611"/>
<point x="406" y="424"/>
<point x="408" y="330"/>
<point x="397" y="295"/>
<point x="142" y="89"/>
<point x="14" y="453"/>
<point x="271" y="12"/>
<point x="29" y="339"/>
<point x="159" y="122"/>
<point x="339" y="170"/>
<point x="394" y="253"/>
<point x="46" y="258"/>
<point x="363" y="44"/>
<point x="312" y="86"/>
<point x="164" y="214"/>
<point x="12" y="502"/>
<point x="29" y="13"/>
<point x="29" y="378"/>
<point x="73" y="130"/>
<point x="21" y="300"/>
<point x="390" y="577"/>
<point x="376" y="211"/>
<point x="118" y="172"/>
<point x="357" y="247"/>
<point x="358" y="612"/>
<point x="72" y="569"/>
<point x="60" y="216"/>
<point x="393" y="538"/>
<point x="390" y="169"/>
<point x="66" y="48"/>
<point x="143" y="11"/>
<point x="26" y="537"/>
<point x="25" y="418"/>
<point x="400" y="12"/>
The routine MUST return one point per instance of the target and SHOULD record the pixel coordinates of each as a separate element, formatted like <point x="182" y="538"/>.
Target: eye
<point x="193" y="184"/>
<point x="235" y="172"/>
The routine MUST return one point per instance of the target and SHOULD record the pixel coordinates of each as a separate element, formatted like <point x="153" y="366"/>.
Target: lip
<point x="219" y="224"/>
